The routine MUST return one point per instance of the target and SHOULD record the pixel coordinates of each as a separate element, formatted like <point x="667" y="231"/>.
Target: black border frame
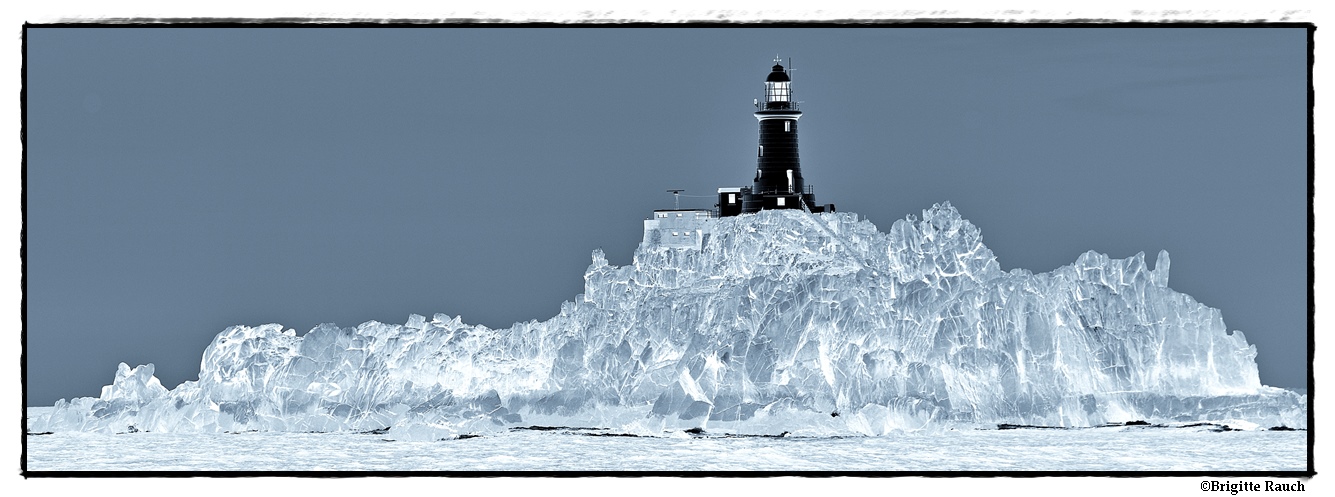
<point x="483" y="23"/>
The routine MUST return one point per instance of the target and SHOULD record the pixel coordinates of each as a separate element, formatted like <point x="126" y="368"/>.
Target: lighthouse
<point x="778" y="182"/>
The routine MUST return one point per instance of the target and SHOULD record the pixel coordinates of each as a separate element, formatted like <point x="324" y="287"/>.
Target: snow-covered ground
<point x="1081" y="450"/>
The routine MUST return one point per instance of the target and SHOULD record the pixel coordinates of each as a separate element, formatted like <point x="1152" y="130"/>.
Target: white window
<point x="732" y="198"/>
<point x="678" y="214"/>
<point x="780" y="199"/>
<point x="790" y="181"/>
<point x="762" y="151"/>
<point x="674" y="233"/>
<point x="787" y="126"/>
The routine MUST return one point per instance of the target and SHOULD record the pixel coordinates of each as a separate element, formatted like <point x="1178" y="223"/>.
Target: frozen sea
<point x="1048" y="450"/>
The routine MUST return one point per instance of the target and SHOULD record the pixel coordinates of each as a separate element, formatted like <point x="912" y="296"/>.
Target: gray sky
<point x="182" y="180"/>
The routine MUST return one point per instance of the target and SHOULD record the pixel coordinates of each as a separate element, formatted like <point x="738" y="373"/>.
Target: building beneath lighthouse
<point x="778" y="182"/>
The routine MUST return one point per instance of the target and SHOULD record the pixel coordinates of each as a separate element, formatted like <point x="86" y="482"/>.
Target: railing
<point x="779" y="105"/>
<point x="806" y="190"/>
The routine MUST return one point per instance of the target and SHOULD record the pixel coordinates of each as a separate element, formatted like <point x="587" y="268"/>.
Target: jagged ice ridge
<point x="783" y="321"/>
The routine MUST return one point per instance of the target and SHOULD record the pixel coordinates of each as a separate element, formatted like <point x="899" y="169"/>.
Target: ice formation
<point x="782" y="321"/>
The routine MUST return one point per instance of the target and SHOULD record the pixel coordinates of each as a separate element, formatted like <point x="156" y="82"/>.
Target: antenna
<point x="676" y="198"/>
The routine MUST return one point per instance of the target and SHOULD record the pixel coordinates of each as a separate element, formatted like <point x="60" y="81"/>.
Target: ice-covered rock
<point x="136" y="385"/>
<point x="780" y="321"/>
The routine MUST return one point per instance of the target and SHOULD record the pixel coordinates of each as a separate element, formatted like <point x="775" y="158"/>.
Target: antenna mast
<point x="676" y="198"/>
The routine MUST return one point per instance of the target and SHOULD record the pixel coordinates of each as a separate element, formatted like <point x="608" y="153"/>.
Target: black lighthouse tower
<point x="778" y="181"/>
